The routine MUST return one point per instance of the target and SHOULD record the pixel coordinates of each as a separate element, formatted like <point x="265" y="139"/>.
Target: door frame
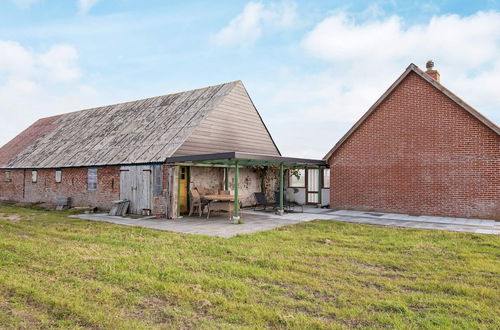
<point x="188" y="180"/>
<point x="133" y="184"/>
<point x="307" y="186"/>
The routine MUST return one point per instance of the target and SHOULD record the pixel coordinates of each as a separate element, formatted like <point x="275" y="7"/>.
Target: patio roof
<point x="230" y="159"/>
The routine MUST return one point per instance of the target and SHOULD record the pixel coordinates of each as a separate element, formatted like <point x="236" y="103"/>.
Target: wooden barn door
<point x="136" y="186"/>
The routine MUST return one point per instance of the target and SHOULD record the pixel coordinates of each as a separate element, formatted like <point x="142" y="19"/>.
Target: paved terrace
<point x="254" y="221"/>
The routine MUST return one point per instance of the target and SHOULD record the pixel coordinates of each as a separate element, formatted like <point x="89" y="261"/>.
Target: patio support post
<point x="226" y="178"/>
<point x="320" y="184"/>
<point x="236" y="216"/>
<point x="280" y="209"/>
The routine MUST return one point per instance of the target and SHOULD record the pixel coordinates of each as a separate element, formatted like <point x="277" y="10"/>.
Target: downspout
<point x="24" y="183"/>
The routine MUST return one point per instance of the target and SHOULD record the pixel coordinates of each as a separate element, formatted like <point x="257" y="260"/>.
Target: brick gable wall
<point x="419" y="153"/>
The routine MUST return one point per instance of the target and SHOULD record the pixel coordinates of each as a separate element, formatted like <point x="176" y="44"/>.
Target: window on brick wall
<point x="8" y="176"/>
<point x="326" y="178"/>
<point x="58" y="176"/>
<point x="34" y="176"/>
<point x="92" y="179"/>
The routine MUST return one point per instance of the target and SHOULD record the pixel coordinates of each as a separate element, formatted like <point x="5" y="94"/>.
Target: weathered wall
<point x="74" y="185"/>
<point x="419" y="153"/>
<point x="210" y="180"/>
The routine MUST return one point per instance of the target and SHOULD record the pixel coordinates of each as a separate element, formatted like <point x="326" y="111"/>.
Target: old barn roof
<point x="137" y="132"/>
<point x="413" y="68"/>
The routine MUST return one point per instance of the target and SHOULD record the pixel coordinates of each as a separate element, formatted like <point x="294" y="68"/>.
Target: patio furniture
<point x="287" y="205"/>
<point x="196" y="201"/>
<point x="221" y="203"/>
<point x="225" y="192"/>
<point x="262" y="201"/>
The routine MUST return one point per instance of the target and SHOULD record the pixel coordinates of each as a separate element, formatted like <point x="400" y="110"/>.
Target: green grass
<point x="57" y="271"/>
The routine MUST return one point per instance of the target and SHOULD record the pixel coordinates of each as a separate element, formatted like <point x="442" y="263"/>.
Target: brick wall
<point x="74" y="185"/>
<point x="419" y="153"/>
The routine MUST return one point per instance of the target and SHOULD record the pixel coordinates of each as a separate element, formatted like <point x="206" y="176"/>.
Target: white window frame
<point x="34" y="176"/>
<point x="8" y="176"/>
<point x="92" y="179"/>
<point x="326" y="178"/>
<point x="58" y="176"/>
<point x="297" y="184"/>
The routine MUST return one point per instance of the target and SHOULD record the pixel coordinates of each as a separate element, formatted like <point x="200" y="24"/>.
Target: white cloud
<point x="59" y="62"/>
<point x="366" y="57"/>
<point x="84" y="6"/>
<point x="25" y="4"/>
<point x="247" y="27"/>
<point x="35" y="85"/>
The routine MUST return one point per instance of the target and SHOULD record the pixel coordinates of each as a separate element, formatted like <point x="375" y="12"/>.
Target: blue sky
<point x="311" y="67"/>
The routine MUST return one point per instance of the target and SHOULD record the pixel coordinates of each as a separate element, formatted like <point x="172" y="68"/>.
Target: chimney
<point x="434" y="74"/>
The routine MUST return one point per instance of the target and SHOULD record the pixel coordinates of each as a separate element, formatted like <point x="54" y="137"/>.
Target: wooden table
<point x="229" y="199"/>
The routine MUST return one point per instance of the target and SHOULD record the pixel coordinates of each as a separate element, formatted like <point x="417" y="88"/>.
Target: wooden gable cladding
<point x="143" y="131"/>
<point x="234" y="125"/>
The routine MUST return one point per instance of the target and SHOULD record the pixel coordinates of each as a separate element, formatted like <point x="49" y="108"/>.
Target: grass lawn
<point x="61" y="272"/>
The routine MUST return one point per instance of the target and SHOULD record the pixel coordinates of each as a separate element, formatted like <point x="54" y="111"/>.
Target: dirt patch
<point x="14" y="217"/>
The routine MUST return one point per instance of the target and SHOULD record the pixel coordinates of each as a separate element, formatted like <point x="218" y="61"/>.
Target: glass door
<point x="312" y="186"/>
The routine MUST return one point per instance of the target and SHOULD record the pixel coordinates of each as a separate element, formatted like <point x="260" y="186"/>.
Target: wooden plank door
<point x="136" y="186"/>
<point x="312" y="192"/>
<point x="144" y="187"/>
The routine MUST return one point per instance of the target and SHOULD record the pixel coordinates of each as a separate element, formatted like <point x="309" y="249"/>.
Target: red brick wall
<point x="419" y="153"/>
<point x="74" y="185"/>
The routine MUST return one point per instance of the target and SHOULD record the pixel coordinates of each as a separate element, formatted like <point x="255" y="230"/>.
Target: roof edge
<point x="413" y="68"/>
<point x="260" y="117"/>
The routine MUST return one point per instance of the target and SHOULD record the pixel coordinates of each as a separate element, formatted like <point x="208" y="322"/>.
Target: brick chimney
<point x="434" y="74"/>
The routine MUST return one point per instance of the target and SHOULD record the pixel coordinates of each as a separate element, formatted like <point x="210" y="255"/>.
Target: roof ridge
<point x="414" y="68"/>
<point x="143" y="99"/>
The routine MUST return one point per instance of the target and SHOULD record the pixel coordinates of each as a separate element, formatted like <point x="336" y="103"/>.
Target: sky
<point x="312" y="68"/>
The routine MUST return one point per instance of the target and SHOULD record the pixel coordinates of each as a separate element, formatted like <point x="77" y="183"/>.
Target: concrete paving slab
<point x="255" y="221"/>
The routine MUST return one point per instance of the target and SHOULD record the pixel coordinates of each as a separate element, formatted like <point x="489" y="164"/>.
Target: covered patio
<point x="239" y="160"/>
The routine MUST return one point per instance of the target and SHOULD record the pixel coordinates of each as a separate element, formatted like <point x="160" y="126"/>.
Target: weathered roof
<point x="413" y="68"/>
<point x="143" y="131"/>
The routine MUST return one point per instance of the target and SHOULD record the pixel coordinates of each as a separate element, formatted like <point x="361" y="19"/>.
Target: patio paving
<point x="255" y="221"/>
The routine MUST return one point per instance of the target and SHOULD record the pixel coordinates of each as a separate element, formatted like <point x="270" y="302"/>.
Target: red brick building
<point x="419" y="149"/>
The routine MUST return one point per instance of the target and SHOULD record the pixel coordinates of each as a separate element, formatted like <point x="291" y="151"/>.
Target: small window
<point x="8" y="176"/>
<point x="34" y="176"/>
<point x="326" y="178"/>
<point x="92" y="179"/>
<point x="58" y="176"/>
<point x="297" y="178"/>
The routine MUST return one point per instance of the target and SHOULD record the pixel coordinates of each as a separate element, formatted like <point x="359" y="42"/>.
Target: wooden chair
<point x="196" y="202"/>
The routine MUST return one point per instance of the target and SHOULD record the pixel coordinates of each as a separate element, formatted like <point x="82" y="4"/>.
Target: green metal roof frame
<point x="244" y="159"/>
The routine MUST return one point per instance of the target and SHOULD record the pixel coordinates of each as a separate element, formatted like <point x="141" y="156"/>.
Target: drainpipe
<point x="24" y="184"/>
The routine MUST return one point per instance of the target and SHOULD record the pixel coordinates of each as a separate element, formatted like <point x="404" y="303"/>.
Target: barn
<point x="151" y="152"/>
<point x="419" y="150"/>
